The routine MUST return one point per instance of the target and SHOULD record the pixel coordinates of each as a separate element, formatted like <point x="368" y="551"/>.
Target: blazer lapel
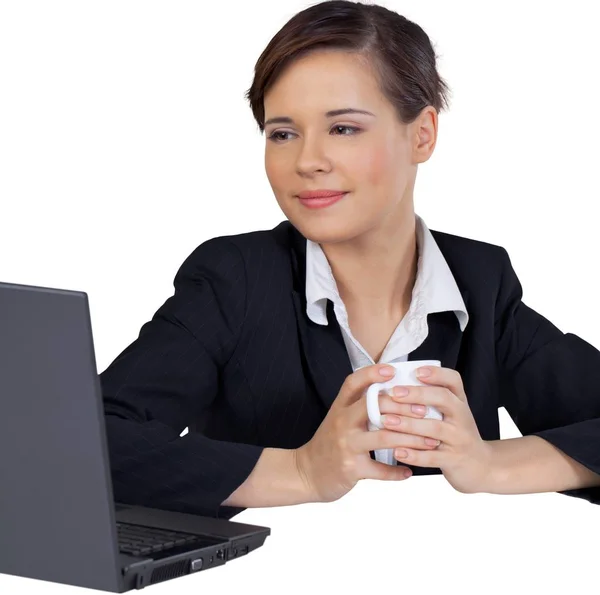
<point x="326" y="356"/>
<point x="328" y="363"/>
<point x="443" y="339"/>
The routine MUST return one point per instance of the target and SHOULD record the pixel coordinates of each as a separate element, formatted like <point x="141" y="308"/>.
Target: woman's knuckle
<point x="348" y="466"/>
<point x="398" y="439"/>
<point x="349" y="383"/>
<point x="391" y="438"/>
<point x="342" y="442"/>
<point x="337" y="421"/>
<point x="438" y="426"/>
<point x="342" y="420"/>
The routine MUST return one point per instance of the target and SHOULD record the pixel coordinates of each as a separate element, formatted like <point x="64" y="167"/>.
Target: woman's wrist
<point x="276" y="480"/>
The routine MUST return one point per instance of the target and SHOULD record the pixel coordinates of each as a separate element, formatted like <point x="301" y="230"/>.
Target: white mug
<point x="405" y="376"/>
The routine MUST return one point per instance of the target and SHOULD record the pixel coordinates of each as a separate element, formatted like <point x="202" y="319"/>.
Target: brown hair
<point x="398" y="50"/>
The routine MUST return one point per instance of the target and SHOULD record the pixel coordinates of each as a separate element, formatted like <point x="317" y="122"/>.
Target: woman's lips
<point x="319" y="203"/>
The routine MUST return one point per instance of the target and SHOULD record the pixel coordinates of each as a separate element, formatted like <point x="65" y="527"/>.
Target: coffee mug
<point x="405" y="376"/>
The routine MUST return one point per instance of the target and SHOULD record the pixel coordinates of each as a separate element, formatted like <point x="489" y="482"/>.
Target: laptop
<point x="58" y="518"/>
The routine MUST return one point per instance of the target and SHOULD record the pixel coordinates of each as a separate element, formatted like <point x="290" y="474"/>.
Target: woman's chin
<point x="324" y="232"/>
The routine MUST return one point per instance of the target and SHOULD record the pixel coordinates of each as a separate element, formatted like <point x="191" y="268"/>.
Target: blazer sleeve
<point x="169" y="375"/>
<point x="549" y="380"/>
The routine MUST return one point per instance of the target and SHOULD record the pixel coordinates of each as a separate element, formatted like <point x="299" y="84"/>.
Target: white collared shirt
<point x="435" y="290"/>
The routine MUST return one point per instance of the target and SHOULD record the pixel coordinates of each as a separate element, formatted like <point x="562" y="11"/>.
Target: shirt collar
<point x="435" y="288"/>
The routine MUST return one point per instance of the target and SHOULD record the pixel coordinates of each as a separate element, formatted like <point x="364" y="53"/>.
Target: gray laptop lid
<point x="54" y="473"/>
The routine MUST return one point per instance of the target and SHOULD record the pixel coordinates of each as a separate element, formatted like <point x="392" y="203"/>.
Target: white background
<point x="126" y="141"/>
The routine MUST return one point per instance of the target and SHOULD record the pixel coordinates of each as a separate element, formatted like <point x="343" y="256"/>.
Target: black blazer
<point x="233" y="356"/>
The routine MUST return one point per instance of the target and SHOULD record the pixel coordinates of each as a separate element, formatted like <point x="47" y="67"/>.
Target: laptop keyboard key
<point x="140" y="540"/>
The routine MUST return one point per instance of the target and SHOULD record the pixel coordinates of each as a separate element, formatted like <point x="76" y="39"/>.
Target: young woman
<point x="271" y="338"/>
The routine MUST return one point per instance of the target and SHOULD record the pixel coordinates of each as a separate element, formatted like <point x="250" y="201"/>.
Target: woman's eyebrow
<point x="329" y="114"/>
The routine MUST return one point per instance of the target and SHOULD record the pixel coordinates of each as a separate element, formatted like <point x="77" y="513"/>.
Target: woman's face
<point x="373" y="157"/>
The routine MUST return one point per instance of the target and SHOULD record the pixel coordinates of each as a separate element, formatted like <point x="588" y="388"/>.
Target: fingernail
<point x="390" y="420"/>
<point x="422" y="372"/>
<point x="432" y="442"/>
<point x="387" y="371"/>
<point x="418" y="409"/>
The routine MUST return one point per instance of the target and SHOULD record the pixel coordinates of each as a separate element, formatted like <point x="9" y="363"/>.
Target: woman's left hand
<point x="463" y="457"/>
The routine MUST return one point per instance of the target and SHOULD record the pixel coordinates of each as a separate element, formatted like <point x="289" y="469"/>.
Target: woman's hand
<point x="337" y="456"/>
<point x="463" y="457"/>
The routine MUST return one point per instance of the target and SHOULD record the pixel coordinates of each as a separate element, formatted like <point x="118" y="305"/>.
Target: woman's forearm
<point x="274" y="481"/>
<point x="530" y="464"/>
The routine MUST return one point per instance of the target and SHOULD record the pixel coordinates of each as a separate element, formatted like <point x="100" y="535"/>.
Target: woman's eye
<point x="353" y="128"/>
<point x="273" y="136"/>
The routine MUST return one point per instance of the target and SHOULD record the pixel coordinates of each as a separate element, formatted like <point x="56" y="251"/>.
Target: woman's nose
<point x="312" y="157"/>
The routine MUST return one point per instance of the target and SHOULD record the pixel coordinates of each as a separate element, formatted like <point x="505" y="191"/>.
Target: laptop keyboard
<point x="138" y="540"/>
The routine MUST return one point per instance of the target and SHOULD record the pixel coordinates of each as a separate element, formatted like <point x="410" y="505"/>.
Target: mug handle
<point x="373" y="404"/>
<point x="384" y="455"/>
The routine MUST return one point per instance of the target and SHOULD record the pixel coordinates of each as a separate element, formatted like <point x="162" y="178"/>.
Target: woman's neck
<point x="377" y="271"/>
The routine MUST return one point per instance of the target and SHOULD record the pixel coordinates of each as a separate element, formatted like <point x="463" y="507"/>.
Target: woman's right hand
<point x="338" y="455"/>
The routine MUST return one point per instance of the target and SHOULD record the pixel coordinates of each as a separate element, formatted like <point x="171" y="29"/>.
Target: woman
<point x="268" y="345"/>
